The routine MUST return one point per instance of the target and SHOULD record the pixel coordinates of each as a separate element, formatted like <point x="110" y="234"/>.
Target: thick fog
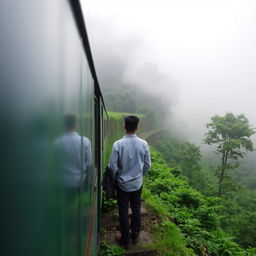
<point x="199" y="55"/>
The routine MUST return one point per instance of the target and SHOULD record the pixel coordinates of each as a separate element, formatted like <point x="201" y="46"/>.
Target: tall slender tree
<point x="232" y="135"/>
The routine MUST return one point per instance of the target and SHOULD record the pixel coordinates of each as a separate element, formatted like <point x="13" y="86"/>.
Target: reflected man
<point x="74" y="160"/>
<point x="74" y="152"/>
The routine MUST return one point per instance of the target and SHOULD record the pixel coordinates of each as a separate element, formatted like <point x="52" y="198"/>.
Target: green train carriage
<point x="47" y="71"/>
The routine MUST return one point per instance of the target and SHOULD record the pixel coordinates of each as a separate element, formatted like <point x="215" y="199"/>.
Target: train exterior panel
<point x="46" y="73"/>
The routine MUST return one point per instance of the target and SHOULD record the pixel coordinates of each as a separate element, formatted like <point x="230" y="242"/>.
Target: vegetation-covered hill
<point x="182" y="189"/>
<point x="237" y="205"/>
<point x="196" y="215"/>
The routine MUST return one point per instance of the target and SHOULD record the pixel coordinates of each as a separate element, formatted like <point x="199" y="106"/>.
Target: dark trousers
<point x="123" y="199"/>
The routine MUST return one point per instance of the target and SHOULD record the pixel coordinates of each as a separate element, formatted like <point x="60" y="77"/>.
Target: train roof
<point x="79" y="18"/>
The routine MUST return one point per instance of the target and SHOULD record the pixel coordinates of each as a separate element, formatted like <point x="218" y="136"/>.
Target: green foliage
<point x="234" y="208"/>
<point x="185" y="158"/>
<point x="251" y="252"/>
<point x="184" y="154"/>
<point x="249" y="180"/>
<point x="136" y="101"/>
<point x="196" y="215"/>
<point x="221" y="244"/>
<point x="169" y="241"/>
<point x="108" y="205"/>
<point x="199" y="219"/>
<point x="153" y="202"/>
<point x="121" y="100"/>
<point x="239" y="210"/>
<point x="108" y="249"/>
<point x="246" y="173"/>
<point x="149" y="112"/>
<point x="232" y="135"/>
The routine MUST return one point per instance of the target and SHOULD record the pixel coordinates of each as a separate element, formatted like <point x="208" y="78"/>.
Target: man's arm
<point x="147" y="161"/>
<point x="88" y="152"/>
<point x="113" y="162"/>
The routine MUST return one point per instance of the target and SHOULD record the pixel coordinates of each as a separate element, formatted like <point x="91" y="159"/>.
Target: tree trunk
<point x="223" y="164"/>
<point x="221" y="181"/>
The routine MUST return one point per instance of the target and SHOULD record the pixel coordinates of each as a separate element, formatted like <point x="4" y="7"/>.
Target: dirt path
<point x="110" y="224"/>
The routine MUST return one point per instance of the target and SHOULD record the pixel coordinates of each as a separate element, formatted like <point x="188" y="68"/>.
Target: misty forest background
<point x="175" y="62"/>
<point x="229" y="217"/>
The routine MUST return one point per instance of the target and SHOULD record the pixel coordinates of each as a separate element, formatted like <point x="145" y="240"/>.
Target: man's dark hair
<point x="70" y="121"/>
<point x="131" y="123"/>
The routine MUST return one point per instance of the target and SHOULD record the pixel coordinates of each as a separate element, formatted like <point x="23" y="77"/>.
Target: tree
<point x="232" y="135"/>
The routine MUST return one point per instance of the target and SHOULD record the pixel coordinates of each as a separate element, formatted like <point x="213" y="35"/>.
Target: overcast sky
<point x="207" y="47"/>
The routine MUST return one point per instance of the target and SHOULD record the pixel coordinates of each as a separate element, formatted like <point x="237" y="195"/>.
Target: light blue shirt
<point x="130" y="161"/>
<point x="75" y="157"/>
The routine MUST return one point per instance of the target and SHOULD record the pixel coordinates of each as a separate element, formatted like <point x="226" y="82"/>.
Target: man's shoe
<point x="135" y="238"/>
<point x="120" y="241"/>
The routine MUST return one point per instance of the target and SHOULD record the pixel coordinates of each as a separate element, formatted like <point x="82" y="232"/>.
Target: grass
<point x="169" y="241"/>
<point x="167" y="237"/>
<point x="154" y="204"/>
<point x="108" y="249"/>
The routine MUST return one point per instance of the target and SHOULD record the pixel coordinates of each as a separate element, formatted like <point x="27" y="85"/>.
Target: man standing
<point x="129" y="162"/>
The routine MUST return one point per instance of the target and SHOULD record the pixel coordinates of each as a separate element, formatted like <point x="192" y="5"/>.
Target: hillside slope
<point x="188" y="221"/>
